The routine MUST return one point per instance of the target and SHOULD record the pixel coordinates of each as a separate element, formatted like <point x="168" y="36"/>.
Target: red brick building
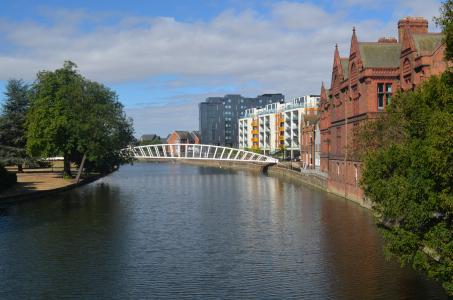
<point x="182" y="137"/>
<point x="362" y="85"/>
<point x="310" y="142"/>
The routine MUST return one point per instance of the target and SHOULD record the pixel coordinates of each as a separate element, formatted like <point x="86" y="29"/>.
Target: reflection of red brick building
<point x="363" y="84"/>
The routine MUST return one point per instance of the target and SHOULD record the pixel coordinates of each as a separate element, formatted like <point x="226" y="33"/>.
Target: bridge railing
<point x="197" y="151"/>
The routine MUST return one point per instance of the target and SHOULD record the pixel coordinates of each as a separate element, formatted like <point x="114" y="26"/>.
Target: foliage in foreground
<point x="408" y="174"/>
<point x="72" y="116"/>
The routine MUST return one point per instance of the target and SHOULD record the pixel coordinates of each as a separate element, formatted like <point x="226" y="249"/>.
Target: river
<point x="174" y="231"/>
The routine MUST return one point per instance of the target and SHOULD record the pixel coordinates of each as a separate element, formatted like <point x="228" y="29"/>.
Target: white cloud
<point x="289" y="50"/>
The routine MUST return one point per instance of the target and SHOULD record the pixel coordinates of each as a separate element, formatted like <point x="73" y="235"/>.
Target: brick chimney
<point x="389" y="40"/>
<point x="415" y="25"/>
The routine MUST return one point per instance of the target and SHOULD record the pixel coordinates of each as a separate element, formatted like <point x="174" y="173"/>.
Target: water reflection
<point x="175" y="231"/>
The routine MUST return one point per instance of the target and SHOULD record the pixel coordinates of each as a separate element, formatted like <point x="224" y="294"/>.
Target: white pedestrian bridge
<point x="197" y="151"/>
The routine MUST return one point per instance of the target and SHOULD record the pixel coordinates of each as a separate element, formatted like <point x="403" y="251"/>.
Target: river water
<point x="173" y="231"/>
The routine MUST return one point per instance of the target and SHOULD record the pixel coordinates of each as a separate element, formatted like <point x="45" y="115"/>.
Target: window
<point x="380" y="95"/>
<point x="384" y="94"/>
<point x="388" y="93"/>
<point x="338" y="140"/>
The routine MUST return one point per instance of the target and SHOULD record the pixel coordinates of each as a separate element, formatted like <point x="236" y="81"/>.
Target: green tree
<point x="12" y="123"/>
<point x="445" y="21"/>
<point x="103" y="128"/>
<point x="52" y="119"/>
<point x="408" y="175"/>
<point x="408" y="170"/>
<point x="75" y="117"/>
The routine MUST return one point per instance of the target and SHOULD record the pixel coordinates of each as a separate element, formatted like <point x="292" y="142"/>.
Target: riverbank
<point x="32" y="184"/>
<point x="309" y="177"/>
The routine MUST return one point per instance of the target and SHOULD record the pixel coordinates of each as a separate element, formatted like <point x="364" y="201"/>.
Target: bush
<point x="7" y="179"/>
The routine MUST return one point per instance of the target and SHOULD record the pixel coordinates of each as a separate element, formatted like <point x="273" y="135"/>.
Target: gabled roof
<point x="427" y="42"/>
<point x="187" y="135"/>
<point x="183" y="134"/>
<point x="380" y="55"/>
<point x="149" y="137"/>
<point x="195" y="134"/>
<point x="345" y="66"/>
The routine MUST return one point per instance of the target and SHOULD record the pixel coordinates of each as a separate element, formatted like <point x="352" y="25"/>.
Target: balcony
<point x="255" y="139"/>
<point x="255" y="123"/>
<point x="255" y="131"/>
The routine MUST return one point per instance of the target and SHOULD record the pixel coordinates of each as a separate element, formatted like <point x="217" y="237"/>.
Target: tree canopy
<point x="408" y="175"/>
<point x="72" y="116"/>
<point x="12" y="123"/>
<point x="407" y="170"/>
<point x="445" y="21"/>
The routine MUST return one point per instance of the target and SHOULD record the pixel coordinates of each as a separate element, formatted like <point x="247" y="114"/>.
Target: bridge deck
<point x="198" y="151"/>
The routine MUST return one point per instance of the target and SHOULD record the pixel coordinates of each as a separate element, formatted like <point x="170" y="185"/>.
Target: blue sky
<point x="163" y="57"/>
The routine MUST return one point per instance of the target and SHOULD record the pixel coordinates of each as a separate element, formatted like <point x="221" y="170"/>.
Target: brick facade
<point x="362" y="85"/>
<point x="309" y="144"/>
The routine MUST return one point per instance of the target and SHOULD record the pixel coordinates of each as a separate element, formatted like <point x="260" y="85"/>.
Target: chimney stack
<point x="414" y="24"/>
<point x="389" y="40"/>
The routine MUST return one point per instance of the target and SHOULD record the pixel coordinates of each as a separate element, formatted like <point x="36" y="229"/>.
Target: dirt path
<point x="36" y="181"/>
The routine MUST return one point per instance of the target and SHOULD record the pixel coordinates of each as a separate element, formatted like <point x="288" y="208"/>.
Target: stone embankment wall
<point x="302" y="177"/>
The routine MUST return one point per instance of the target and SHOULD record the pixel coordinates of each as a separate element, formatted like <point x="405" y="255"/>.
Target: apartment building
<point x="276" y="127"/>
<point x="218" y="116"/>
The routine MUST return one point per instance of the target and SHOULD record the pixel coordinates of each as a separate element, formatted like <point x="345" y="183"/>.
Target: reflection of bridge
<point x="198" y="151"/>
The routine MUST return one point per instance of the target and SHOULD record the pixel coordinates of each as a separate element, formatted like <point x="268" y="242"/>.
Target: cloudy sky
<point x="163" y="57"/>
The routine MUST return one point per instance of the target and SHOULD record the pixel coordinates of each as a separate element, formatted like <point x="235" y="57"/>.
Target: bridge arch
<point x="197" y="152"/>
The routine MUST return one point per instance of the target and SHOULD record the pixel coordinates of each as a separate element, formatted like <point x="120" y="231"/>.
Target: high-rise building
<point x="218" y="116"/>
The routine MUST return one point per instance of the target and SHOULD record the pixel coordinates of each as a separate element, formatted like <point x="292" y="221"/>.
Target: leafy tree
<point x="75" y="117"/>
<point x="445" y="21"/>
<point x="407" y="170"/>
<point x="52" y="118"/>
<point x="12" y="123"/>
<point x="408" y="175"/>
<point x="103" y="129"/>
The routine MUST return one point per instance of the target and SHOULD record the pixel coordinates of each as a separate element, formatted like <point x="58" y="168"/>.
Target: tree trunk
<point x="66" y="165"/>
<point x="79" y="173"/>
<point x="20" y="168"/>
